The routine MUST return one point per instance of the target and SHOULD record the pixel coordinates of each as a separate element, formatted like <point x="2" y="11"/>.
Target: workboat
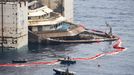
<point x="19" y="61"/>
<point x="63" y="72"/>
<point x="67" y="61"/>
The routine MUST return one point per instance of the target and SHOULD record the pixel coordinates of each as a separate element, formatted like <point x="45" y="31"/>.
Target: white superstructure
<point x="43" y="19"/>
<point x="15" y="24"/>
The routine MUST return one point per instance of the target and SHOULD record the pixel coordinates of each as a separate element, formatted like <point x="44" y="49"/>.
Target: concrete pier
<point x="13" y="24"/>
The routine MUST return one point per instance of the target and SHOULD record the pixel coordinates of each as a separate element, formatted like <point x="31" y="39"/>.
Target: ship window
<point x="40" y="28"/>
<point x="20" y="4"/>
<point x="51" y="27"/>
<point x="29" y="17"/>
<point x="30" y="28"/>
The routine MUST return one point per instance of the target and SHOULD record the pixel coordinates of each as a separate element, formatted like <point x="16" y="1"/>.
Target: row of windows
<point x="52" y="27"/>
<point x="40" y="17"/>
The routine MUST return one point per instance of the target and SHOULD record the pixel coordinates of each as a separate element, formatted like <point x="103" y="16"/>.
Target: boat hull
<point x="15" y="61"/>
<point x="68" y="62"/>
<point x="62" y="72"/>
<point x="55" y="41"/>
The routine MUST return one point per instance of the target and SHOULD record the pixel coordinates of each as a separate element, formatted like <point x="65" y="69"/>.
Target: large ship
<point x="49" y="27"/>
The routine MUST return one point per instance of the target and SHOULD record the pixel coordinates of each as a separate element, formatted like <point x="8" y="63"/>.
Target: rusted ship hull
<point x="54" y="41"/>
<point x="74" y="34"/>
<point x="79" y="39"/>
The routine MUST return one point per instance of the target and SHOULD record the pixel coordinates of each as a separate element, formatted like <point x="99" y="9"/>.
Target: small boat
<point x="19" y="61"/>
<point x="67" y="61"/>
<point x="63" y="72"/>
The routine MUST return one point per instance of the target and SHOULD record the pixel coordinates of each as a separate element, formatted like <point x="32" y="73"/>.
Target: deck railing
<point x="52" y="17"/>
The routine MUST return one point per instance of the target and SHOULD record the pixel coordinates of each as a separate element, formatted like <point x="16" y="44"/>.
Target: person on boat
<point x="67" y="71"/>
<point x="64" y="58"/>
<point x="68" y="58"/>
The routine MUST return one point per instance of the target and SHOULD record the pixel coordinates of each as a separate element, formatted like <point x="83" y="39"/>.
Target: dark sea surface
<point x="92" y="14"/>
